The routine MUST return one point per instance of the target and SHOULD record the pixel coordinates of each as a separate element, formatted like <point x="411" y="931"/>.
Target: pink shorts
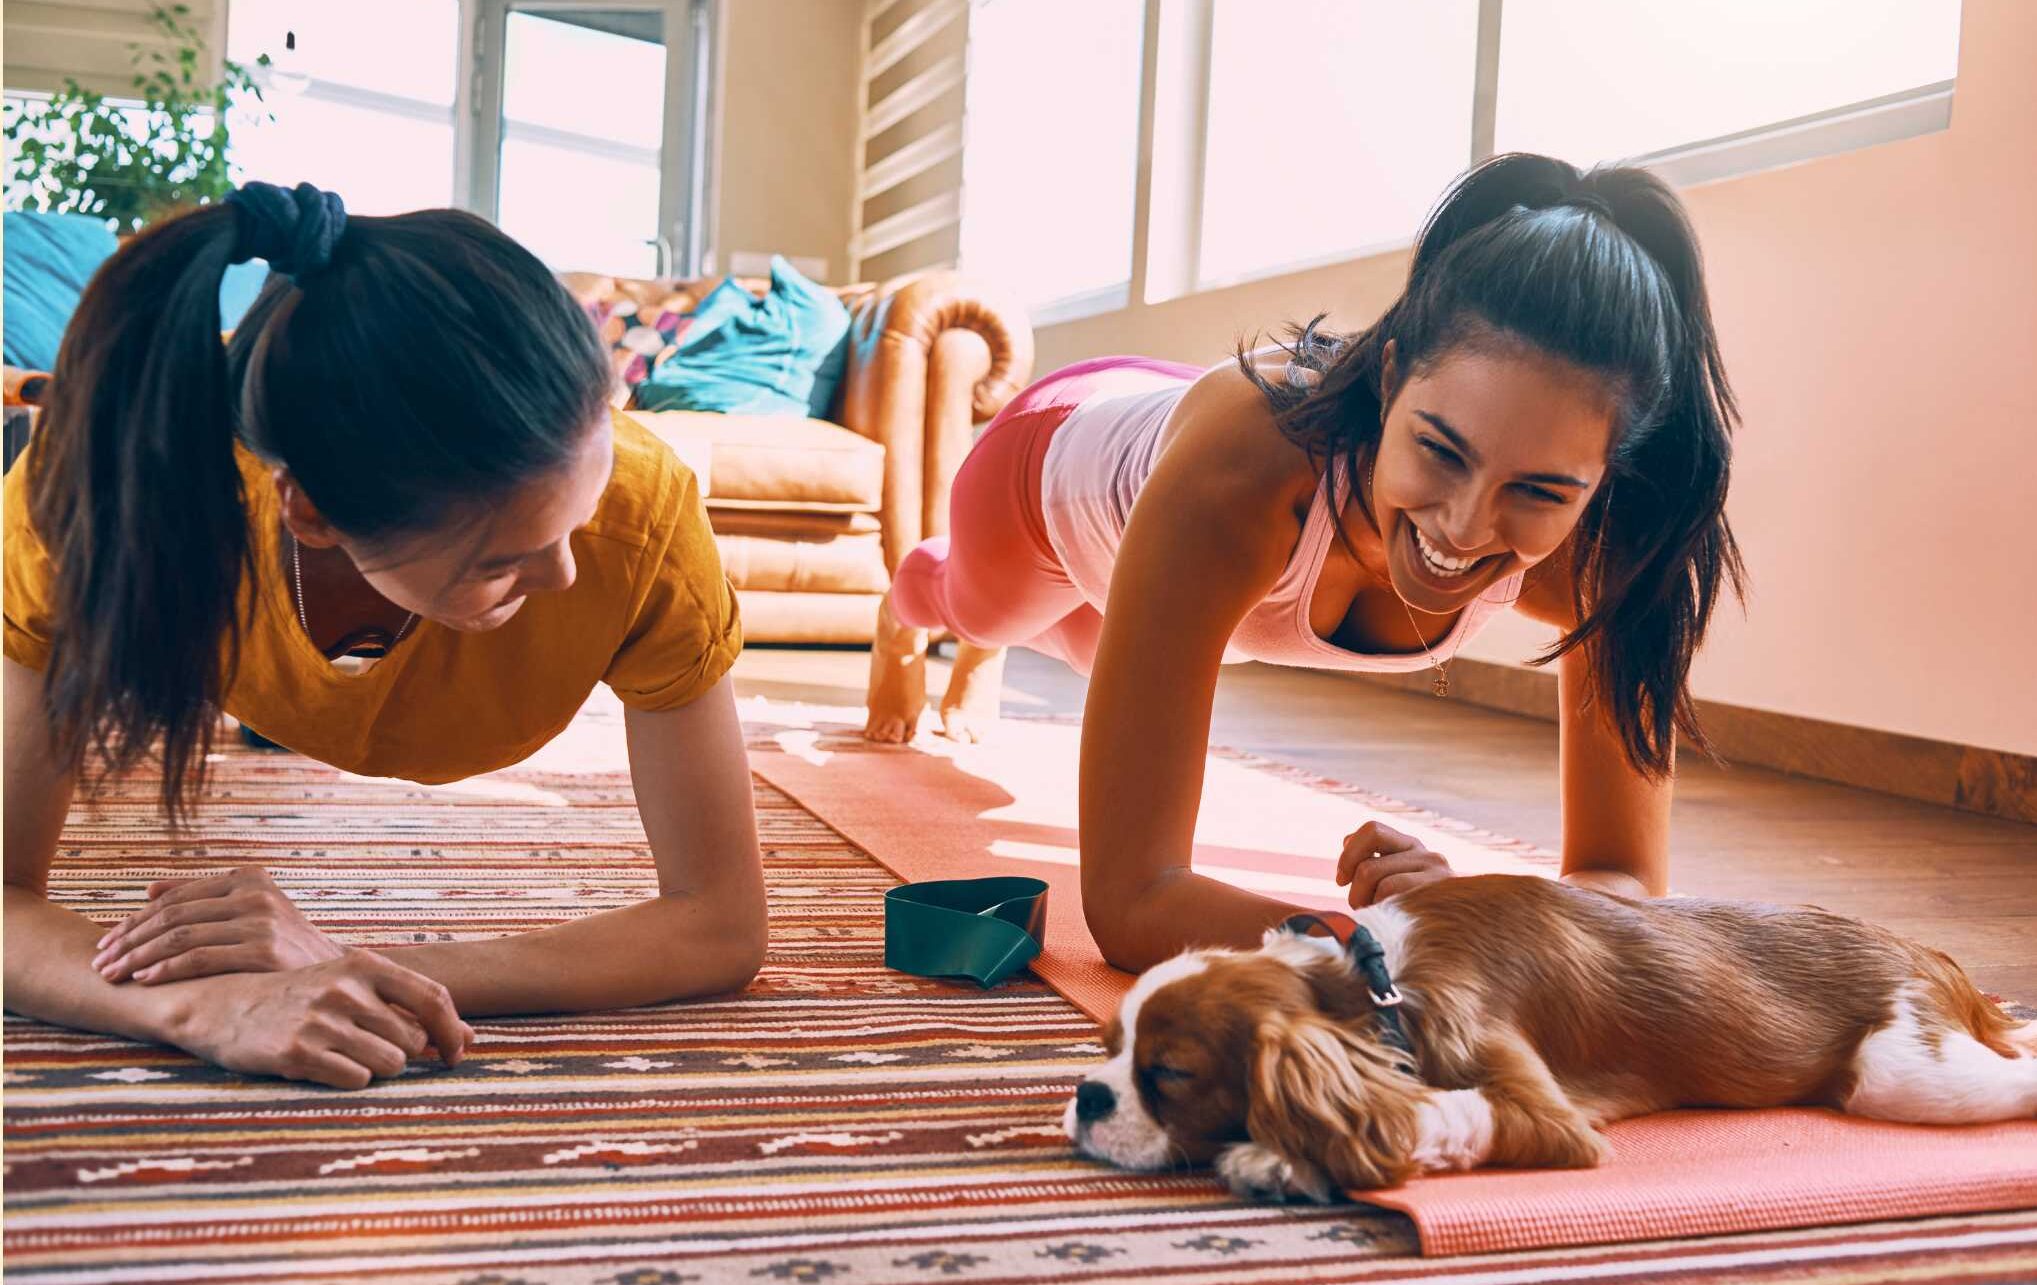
<point x="994" y="579"/>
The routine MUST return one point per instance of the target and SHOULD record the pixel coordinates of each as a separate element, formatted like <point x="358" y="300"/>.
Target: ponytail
<point x="1602" y="271"/>
<point x="134" y="489"/>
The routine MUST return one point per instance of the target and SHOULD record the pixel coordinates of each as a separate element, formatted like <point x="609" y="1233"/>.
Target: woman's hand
<point x="343" y="1022"/>
<point x="1380" y="862"/>
<point x="232" y="923"/>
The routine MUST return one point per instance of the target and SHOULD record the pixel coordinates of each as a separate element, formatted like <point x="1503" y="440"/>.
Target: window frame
<point x="340" y="93"/>
<point x="691" y="131"/>
<point x="1174" y="128"/>
<point x="1096" y="301"/>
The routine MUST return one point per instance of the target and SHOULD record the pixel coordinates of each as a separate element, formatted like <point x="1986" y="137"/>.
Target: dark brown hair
<point x="425" y="366"/>
<point x="1600" y="270"/>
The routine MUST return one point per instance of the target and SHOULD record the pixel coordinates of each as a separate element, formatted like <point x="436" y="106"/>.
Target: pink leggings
<point x="994" y="580"/>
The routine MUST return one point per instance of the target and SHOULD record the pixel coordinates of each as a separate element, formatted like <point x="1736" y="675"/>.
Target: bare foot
<point x="898" y="679"/>
<point x="969" y="708"/>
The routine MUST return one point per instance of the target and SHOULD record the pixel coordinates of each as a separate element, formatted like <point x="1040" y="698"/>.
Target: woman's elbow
<point x="1118" y="938"/>
<point x="738" y="957"/>
<point x="696" y="958"/>
<point x="721" y="969"/>
<point x="747" y="960"/>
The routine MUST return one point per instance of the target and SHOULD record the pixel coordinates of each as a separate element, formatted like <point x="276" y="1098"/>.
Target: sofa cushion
<point x="790" y="521"/>
<point x="49" y="258"/>
<point x="639" y="321"/>
<point x="787" y="617"/>
<point x="774" y="461"/>
<point x="782" y="354"/>
<point x="728" y="299"/>
<point x="637" y="337"/>
<point x="845" y="564"/>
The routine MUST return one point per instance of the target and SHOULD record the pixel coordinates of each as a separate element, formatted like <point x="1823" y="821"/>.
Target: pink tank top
<point x="1100" y="457"/>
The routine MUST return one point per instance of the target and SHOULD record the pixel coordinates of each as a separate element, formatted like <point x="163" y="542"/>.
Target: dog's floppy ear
<point x="1322" y="1095"/>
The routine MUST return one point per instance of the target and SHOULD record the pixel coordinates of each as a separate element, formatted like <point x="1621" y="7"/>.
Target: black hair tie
<point x="295" y="229"/>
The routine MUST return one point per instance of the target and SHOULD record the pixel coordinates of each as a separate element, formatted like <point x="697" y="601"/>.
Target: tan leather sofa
<point x="812" y="515"/>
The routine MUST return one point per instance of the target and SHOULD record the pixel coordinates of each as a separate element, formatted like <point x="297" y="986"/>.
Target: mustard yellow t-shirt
<point x="650" y="613"/>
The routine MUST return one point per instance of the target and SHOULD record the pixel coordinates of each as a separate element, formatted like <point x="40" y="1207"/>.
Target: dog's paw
<point x="1261" y="1173"/>
<point x="1591" y="1149"/>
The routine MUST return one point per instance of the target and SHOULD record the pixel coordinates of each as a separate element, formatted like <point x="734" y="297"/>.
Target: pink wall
<point x="1878" y="311"/>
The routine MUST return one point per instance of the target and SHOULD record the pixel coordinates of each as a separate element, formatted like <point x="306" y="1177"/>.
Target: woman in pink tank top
<point x="1541" y="421"/>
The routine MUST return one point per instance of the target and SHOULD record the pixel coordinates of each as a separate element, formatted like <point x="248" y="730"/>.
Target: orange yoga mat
<point x="939" y="811"/>
<point x="934" y="810"/>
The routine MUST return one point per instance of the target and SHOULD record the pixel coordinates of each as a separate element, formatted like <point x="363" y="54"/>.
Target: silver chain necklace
<point x="297" y="582"/>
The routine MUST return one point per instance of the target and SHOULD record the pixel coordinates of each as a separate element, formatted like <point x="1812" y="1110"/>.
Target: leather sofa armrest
<point x="24" y="391"/>
<point x="931" y="356"/>
<point x="24" y="387"/>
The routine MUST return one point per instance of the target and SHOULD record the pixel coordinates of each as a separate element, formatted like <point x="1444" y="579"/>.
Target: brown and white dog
<point x="1537" y="1012"/>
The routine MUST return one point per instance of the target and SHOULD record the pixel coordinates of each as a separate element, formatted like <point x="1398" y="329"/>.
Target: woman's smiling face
<point x="1485" y="462"/>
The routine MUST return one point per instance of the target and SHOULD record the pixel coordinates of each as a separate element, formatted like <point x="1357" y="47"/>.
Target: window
<point x="356" y="109"/>
<point x="1281" y="134"/>
<point x="1050" y="158"/>
<point x="557" y="121"/>
<point x="1681" y="74"/>
<point x="562" y="145"/>
<point x="1332" y="127"/>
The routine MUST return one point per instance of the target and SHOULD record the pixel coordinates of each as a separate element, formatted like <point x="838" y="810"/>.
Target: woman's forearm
<point x="49" y="949"/>
<point x="50" y="976"/>
<point x="665" y="948"/>
<point x="1617" y="882"/>
<point x="1181" y="910"/>
<point x="1615" y="820"/>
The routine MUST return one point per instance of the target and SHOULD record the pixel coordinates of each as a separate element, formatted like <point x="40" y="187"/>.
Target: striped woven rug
<point x="836" y="1122"/>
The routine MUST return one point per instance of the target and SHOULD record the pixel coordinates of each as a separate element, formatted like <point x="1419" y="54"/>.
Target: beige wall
<point x="788" y="94"/>
<point x="1878" y="311"/>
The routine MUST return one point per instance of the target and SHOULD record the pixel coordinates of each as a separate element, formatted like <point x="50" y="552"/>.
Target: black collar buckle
<point x="1369" y="958"/>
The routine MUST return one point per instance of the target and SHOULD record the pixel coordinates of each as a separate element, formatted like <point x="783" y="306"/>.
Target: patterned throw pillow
<point x="638" y="336"/>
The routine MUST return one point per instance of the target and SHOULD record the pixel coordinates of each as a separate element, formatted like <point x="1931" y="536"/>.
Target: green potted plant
<point x="130" y="163"/>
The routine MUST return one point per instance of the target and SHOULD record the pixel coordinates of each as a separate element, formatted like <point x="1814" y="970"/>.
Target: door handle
<point x="663" y="245"/>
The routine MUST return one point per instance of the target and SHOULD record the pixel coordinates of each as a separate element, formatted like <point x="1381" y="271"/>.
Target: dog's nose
<point x="1094" y="1101"/>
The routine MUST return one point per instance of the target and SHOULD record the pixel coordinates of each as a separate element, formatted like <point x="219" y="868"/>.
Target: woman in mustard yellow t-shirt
<point x="393" y="526"/>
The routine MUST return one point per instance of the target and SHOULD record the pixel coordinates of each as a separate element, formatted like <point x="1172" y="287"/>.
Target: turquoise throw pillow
<point x="48" y="260"/>
<point x="784" y="354"/>
<point x="719" y="304"/>
<point x="237" y="290"/>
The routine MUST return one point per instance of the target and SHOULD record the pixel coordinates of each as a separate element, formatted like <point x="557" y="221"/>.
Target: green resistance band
<point x="981" y="929"/>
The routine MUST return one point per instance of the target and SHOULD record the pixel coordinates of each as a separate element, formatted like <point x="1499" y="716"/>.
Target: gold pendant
<point x="1442" y="684"/>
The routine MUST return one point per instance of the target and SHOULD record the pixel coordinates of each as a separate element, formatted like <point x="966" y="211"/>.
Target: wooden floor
<point x="1966" y="884"/>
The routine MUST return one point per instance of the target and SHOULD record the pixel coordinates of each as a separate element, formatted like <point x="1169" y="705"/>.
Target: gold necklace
<point x="1440" y="684"/>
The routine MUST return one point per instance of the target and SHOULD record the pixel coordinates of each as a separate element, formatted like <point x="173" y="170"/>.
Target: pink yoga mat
<point x="945" y="812"/>
<point x="1699" y="1173"/>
